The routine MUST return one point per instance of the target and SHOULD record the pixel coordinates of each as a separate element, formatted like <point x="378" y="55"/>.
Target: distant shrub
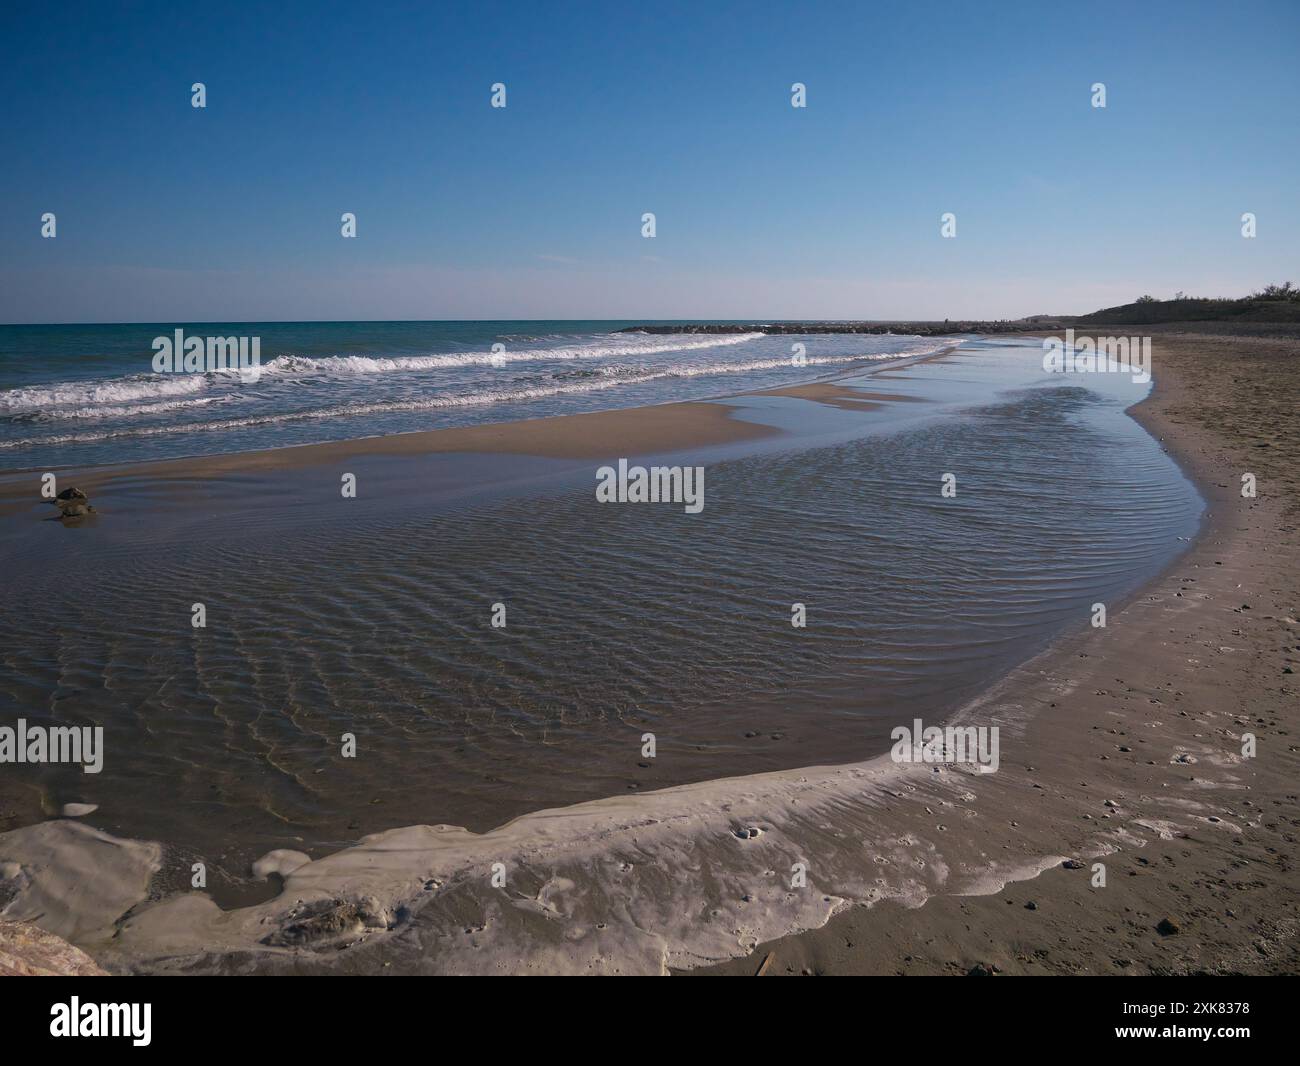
<point x="1285" y="291"/>
<point x="1273" y="303"/>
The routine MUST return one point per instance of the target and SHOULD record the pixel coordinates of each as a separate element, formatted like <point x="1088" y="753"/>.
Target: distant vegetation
<point x="1273" y="303"/>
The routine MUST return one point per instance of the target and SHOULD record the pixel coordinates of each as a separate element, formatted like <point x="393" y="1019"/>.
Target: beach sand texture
<point x="1208" y="844"/>
<point x="1120" y="746"/>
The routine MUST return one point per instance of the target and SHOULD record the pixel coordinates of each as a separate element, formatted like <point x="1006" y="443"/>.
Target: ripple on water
<point x="620" y="620"/>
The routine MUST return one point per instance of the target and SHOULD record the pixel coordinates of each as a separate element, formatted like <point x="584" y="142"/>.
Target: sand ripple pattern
<point x="622" y="620"/>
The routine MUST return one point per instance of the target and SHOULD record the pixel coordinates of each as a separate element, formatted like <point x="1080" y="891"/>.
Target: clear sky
<point x="232" y="212"/>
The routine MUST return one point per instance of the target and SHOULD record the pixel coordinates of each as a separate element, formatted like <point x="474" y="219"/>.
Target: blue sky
<point x="167" y="212"/>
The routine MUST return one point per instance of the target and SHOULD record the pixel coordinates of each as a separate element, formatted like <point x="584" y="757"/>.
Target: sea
<point x="79" y="395"/>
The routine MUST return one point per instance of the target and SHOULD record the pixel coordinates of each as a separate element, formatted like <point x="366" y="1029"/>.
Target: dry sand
<point x="1203" y="657"/>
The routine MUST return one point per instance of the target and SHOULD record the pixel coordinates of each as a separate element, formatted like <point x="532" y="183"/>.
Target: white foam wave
<point x="365" y="364"/>
<point x="107" y="411"/>
<point x="112" y="391"/>
<point x="615" y="379"/>
<point x="119" y="392"/>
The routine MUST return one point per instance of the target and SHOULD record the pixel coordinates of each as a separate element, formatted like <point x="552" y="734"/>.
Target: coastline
<point x="1207" y="846"/>
<point x="655" y="429"/>
<point x="889" y="808"/>
<point x="592" y="435"/>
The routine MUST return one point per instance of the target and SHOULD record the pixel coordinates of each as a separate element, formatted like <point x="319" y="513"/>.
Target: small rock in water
<point x="72" y="503"/>
<point x="77" y="810"/>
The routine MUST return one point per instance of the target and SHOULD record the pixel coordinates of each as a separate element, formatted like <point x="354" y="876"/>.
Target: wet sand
<point x="1207" y="846"/>
<point x="654" y="430"/>
<point x="1119" y="746"/>
<point x="841" y="396"/>
<point x="634" y="431"/>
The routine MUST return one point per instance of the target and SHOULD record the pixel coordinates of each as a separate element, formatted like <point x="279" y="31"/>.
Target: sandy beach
<point x="582" y="436"/>
<point x="1120" y="746"/>
<point x="657" y="429"/>
<point x="1137" y="728"/>
<point x="561" y="490"/>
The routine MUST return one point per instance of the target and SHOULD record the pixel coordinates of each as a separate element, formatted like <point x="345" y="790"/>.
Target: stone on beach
<point x="72" y="503"/>
<point x="27" y="950"/>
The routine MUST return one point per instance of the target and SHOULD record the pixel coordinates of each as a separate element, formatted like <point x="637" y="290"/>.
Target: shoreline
<point x="589" y="435"/>
<point x="655" y="429"/>
<point x="390" y="871"/>
<point x="797" y="328"/>
<point x="1214" y="867"/>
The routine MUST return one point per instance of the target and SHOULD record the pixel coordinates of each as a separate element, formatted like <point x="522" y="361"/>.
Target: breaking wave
<point x="365" y="364"/>
<point x="114" y="391"/>
<point x="605" y="378"/>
